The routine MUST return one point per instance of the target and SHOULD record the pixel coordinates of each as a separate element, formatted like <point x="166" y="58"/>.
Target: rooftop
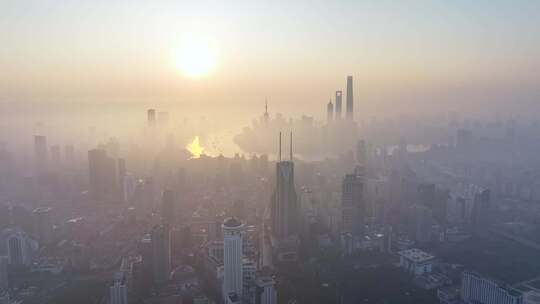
<point x="42" y="210"/>
<point x="232" y="223"/>
<point x="416" y="255"/>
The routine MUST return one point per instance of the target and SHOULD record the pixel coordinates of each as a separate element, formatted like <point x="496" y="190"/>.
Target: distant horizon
<point x="422" y="57"/>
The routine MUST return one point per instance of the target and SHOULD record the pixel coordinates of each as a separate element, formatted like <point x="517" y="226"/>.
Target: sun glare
<point x="195" y="148"/>
<point x="196" y="56"/>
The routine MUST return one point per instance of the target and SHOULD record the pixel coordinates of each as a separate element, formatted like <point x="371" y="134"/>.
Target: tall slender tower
<point x="329" y="112"/>
<point x="284" y="205"/>
<point x="266" y="116"/>
<point x="232" y="257"/>
<point x="338" y="104"/>
<point x="350" y="100"/>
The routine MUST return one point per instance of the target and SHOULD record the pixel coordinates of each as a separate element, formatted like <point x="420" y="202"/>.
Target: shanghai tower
<point x="350" y="100"/>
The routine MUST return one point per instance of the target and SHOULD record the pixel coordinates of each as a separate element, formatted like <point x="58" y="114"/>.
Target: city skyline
<point x="433" y="56"/>
<point x="147" y="152"/>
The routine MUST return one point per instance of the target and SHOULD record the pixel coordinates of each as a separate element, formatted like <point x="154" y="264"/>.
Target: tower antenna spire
<point x="279" y="146"/>
<point x="290" y="146"/>
<point x="266" y="116"/>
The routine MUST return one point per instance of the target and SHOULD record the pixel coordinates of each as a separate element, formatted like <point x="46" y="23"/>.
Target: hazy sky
<point x="405" y="55"/>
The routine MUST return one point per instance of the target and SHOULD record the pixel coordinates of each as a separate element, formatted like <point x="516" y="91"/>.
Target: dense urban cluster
<point x="364" y="211"/>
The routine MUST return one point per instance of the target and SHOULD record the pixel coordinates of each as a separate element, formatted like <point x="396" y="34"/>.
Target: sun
<point x="196" y="56"/>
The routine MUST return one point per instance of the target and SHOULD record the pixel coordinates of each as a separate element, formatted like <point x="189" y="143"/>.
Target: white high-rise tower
<point x="232" y="257"/>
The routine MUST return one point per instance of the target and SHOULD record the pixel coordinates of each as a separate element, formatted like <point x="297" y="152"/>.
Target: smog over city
<point x="269" y="152"/>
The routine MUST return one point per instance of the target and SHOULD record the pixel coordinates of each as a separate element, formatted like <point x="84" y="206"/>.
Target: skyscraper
<point x="426" y="194"/>
<point x="422" y="222"/>
<point x="352" y="202"/>
<point x="329" y="112"/>
<point x="41" y="153"/>
<point x="161" y="253"/>
<point x="480" y="212"/>
<point x="121" y="170"/>
<point x="102" y="174"/>
<point x="338" y="104"/>
<point x="232" y="257"/>
<point x="143" y="274"/>
<point x="361" y="153"/>
<point x="151" y="116"/>
<point x="118" y="289"/>
<point x="168" y="207"/>
<point x="350" y="100"/>
<point x="4" y="284"/>
<point x="266" y="115"/>
<point x="69" y="155"/>
<point x="122" y="177"/>
<point x="284" y="207"/>
<point x="43" y="227"/>
<point x="55" y="155"/>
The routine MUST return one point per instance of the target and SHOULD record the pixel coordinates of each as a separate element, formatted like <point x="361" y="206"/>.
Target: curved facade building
<point x="232" y="257"/>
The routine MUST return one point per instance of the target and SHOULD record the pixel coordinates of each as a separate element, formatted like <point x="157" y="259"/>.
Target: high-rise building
<point x="350" y="100"/>
<point x="168" y="207"/>
<point x="426" y="194"/>
<point x="464" y="139"/>
<point x="69" y="154"/>
<point x="232" y="257"/>
<point x="41" y="153"/>
<point x="249" y="274"/>
<point x="284" y="206"/>
<point x="143" y="275"/>
<point x="122" y="177"/>
<point x="4" y="283"/>
<point x="118" y="289"/>
<point x="43" y="226"/>
<point x="265" y="291"/>
<point x="476" y="289"/>
<point x="161" y="253"/>
<point x="266" y="115"/>
<point x="480" y="212"/>
<point x="151" y="116"/>
<point x="330" y="112"/>
<point x="422" y="222"/>
<point x="102" y="171"/>
<point x="338" y="104"/>
<point x="55" y="155"/>
<point x="353" y="202"/>
<point x="361" y="153"/>
<point x="121" y="169"/>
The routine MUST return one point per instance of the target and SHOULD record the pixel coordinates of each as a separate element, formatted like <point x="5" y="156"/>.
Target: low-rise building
<point x="449" y="294"/>
<point x="415" y="261"/>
